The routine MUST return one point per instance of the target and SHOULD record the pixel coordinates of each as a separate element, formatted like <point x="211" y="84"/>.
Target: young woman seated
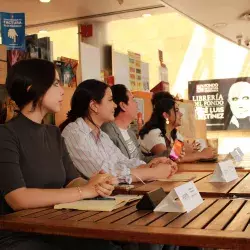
<point x="159" y="133"/>
<point x="92" y="150"/>
<point x="35" y="167"/>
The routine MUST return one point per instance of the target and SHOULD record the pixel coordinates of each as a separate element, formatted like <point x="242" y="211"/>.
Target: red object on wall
<point x="86" y="30"/>
<point x="162" y="86"/>
<point x="110" y="80"/>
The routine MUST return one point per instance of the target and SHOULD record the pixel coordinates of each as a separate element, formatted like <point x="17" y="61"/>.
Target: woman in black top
<point x="35" y="167"/>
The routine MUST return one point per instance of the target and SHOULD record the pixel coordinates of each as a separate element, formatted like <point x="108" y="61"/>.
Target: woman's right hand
<point x="99" y="184"/>
<point x="164" y="171"/>
<point x="208" y="153"/>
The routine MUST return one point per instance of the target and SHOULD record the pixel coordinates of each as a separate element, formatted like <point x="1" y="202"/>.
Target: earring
<point x="167" y="121"/>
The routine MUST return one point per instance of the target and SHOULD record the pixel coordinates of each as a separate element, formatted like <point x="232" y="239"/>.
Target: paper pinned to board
<point x="184" y="177"/>
<point x="100" y="205"/>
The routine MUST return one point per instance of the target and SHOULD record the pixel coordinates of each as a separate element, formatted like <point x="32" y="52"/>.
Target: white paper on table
<point x="184" y="198"/>
<point x="224" y="172"/>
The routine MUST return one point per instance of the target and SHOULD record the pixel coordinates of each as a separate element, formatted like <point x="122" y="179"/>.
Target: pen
<point x="101" y="198"/>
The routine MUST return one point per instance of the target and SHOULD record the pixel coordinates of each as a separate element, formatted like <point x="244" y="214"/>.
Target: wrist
<point x="80" y="193"/>
<point x="88" y="191"/>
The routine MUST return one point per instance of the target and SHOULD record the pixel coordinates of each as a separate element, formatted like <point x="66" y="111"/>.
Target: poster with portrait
<point x="224" y="103"/>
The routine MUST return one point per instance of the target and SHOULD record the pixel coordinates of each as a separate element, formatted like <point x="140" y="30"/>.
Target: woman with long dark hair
<point x="159" y="133"/>
<point x="35" y="167"/>
<point x="92" y="150"/>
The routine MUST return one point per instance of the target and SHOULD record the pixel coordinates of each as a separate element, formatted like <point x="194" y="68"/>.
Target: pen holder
<point x="151" y="199"/>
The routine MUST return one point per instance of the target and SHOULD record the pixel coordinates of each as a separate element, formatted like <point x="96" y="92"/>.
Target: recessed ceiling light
<point x="43" y="31"/>
<point x="146" y="15"/>
<point x="44" y="1"/>
<point x="219" y="25"/>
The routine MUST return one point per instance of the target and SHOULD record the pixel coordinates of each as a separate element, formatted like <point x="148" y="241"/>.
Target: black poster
<point x="225" y="103"/>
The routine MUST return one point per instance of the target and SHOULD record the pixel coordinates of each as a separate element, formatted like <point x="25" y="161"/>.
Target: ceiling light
<point x="44" y="1"/>
<point x="146" y="15"/>
<point x="43" y="31"/>
<point x="219" y="25"/>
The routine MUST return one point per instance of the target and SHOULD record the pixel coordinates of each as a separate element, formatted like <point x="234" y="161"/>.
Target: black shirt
<point x="32" y="155"/>
<point x="243" y="124"/>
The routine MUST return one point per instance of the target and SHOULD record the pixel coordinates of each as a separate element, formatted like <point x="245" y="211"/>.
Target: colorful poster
<point x="224" y="103"/>
<point x="135" y="76"/>
<point x="13" y="30"/>
<point x="69" y="72"/>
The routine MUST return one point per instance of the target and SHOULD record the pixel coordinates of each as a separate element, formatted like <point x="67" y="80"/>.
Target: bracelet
<point x="137" y="177"/>
<point x="80" y="193"/>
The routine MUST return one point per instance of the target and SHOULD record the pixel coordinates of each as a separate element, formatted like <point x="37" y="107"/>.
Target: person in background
<point x="159" y="133"/>
<point x="35" y="168"/>
<point x="118" y="130"/>
<point x="92" y="150"/>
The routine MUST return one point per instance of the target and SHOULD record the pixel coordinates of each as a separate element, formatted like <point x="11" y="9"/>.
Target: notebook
<point x="100" y="205"/>
<point x="185" y="177"/>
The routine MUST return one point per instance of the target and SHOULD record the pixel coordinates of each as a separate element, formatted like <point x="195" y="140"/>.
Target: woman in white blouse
<point x="159" y="133"/>
<point x="92" y="150"/>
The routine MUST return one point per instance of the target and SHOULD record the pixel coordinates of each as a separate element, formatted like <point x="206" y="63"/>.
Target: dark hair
<point x="229" y="114"/>
<point x="3" y="113"/>
<point x="120" y="94"/>
<point x="28" y="81"/>
<point x="159" y="96"/>
<point x="162" y="102"/>
<point x="85" y="92"/>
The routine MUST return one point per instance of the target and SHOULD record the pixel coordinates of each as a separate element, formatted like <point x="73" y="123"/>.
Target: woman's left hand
<point x="174" y="168"/>
<point x="158" y="160"/>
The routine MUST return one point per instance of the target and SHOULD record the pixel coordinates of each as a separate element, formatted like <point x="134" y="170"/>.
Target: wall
<point x="65" y="42"/>
<point x="190" y="53"/>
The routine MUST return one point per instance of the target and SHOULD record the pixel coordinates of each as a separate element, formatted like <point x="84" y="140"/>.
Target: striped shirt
<point x="91" y="154"/>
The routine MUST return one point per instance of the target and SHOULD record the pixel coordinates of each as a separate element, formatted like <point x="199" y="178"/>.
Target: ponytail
<point x="71" y="117"/>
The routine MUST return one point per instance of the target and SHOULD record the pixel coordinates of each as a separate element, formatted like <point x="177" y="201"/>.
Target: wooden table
<point x="217" y="223"/>
<point x="197" y="167"/>
<point x="212" y="189"/>
<point x="167" y="186"/>
<point x="243" y="188"/>
<point x="206" y="188"/>
<point x="210" y="166"/>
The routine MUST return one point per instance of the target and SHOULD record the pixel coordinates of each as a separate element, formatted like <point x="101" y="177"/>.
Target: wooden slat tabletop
<point x="243" y="188"/>
<point x="167" y="186"/>
<point x="206" y="188"/>
<point x="243" y="166"/>
<point x="217" y="223"/>
<point x="197" y="167"/>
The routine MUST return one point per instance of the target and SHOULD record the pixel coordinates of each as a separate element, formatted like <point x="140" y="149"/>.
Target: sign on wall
<point x="225" y="103"/>
<point x="135" y="75"/>
<point x="13" y="30"/>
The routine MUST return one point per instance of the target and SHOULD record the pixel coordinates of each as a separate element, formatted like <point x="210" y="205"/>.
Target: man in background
<point x="119" y="132"/>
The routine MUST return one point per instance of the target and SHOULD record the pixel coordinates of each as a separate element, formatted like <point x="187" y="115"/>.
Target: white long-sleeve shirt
<point x="90" y="154"/>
